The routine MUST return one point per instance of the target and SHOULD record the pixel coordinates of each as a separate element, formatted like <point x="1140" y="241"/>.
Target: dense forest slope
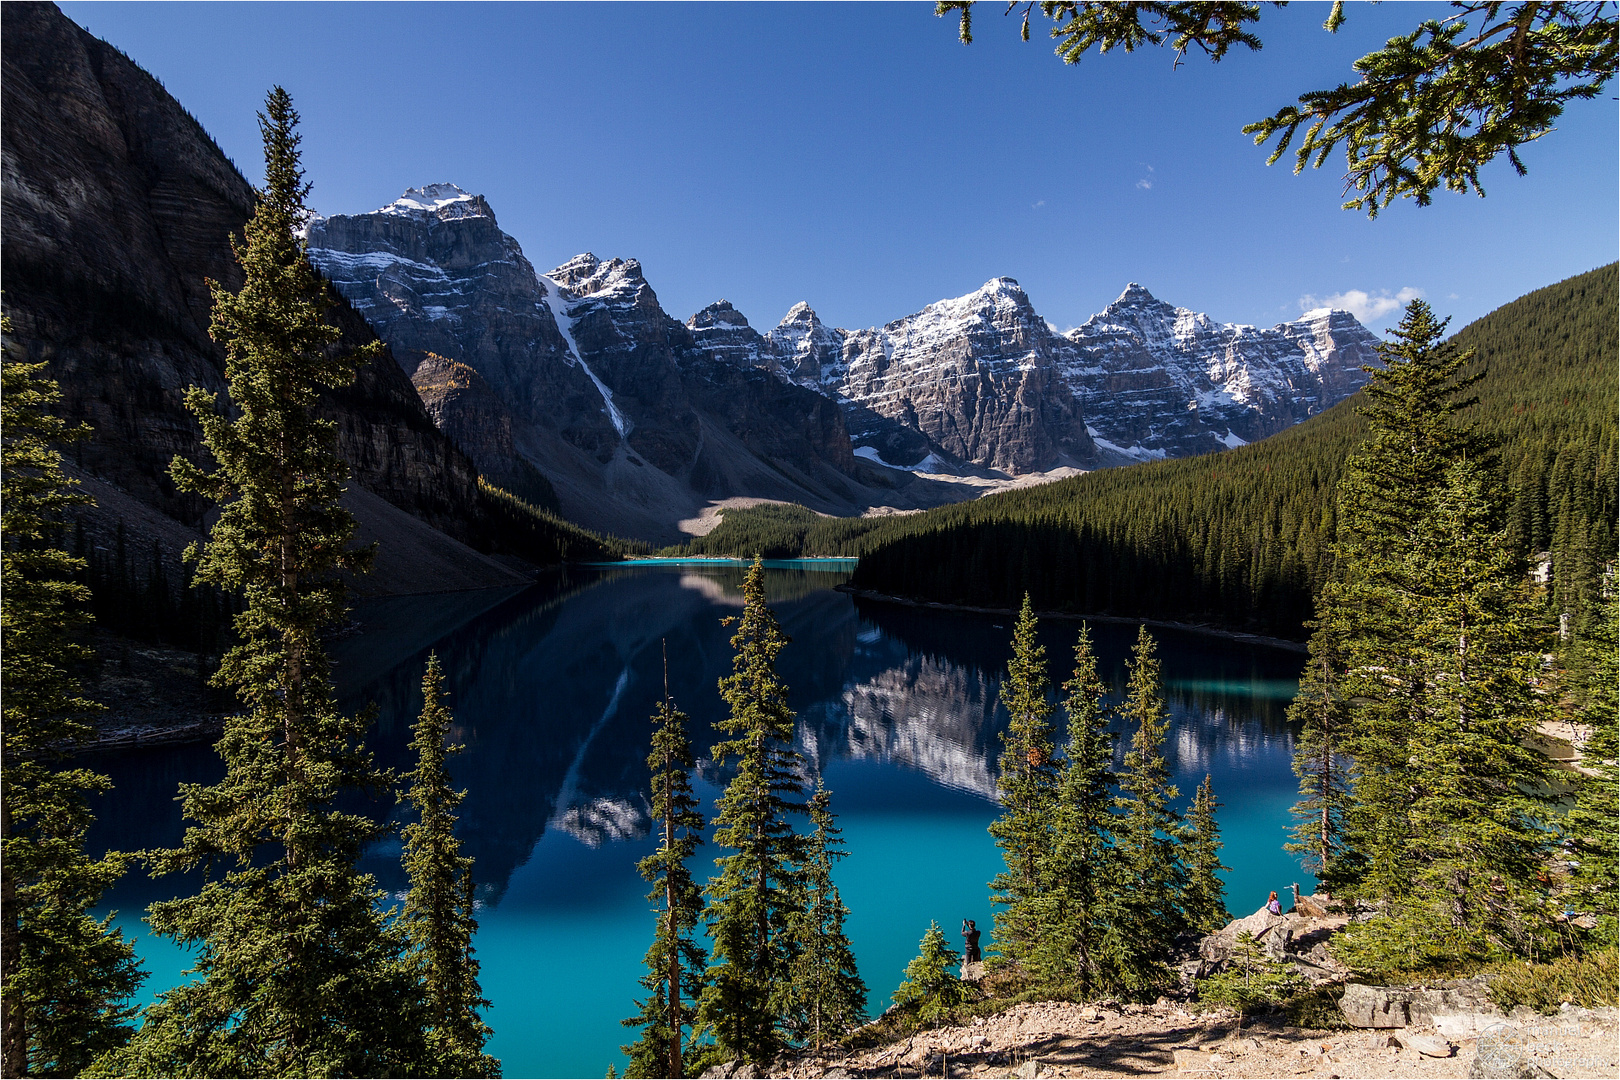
<point x="1240" y="537"/>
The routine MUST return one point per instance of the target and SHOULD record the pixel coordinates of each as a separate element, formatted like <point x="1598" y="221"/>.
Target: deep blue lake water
<point x="552" y="688"/>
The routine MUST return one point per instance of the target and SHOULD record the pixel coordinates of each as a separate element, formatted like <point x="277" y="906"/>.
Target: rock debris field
<point x="1053" y="1039"/>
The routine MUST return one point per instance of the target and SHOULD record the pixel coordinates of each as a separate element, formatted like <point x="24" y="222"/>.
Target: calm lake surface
<point x="552" y="688"/>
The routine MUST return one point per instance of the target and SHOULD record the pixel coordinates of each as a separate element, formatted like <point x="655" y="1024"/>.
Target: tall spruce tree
<point x="1384" y="497"/>
<point x="1145" y="914"/>
<point x="66" y="976"/>
<point x="1465" y="883"/>
<point x="1203" y="900"/>
<point x="297" y="971"/>
<point x="438" y="919"/>
<point x="1027" y="786"/>
<point x="1319" y="762"/>
<point x="1429" y="614"/>
<point x="675" y="962"/>
<point x="752" y="899"/>
<point x="1077" y="867"/>
<point x="828" y="996"/>
<point x="1591" y="825"/>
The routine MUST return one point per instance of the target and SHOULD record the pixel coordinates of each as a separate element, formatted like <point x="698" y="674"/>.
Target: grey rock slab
<point x="1366" y="1006"/>
<point x="1428" y="1047"/>
<point x="1503" y="1053"/>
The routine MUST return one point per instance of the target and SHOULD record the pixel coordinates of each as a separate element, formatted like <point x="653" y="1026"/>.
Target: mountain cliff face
<point x="598" y="385"/>
<point x="117" y="207"/>
<point x="976" y="375"/>
<point x="1161" y="381"/>
<point x="635" y="419"/>
<point x="983" y="380"/>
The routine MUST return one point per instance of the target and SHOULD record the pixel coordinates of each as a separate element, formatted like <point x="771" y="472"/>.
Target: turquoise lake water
<point x="552" y="688"/>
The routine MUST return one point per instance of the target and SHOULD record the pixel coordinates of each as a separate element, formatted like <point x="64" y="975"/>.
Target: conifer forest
<point x="1429" y="558"/>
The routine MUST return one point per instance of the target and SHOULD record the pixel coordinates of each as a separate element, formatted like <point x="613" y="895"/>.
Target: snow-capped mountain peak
<point x="1135" y="294"/>
<point x="435" y="198"/>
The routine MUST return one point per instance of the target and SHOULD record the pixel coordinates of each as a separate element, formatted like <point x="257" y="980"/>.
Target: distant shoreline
<point x="634" y="560"/>
<point x="1194" y="628"/>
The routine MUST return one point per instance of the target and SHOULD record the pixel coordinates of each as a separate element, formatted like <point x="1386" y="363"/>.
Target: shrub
<point x="931" y="987"/>
<point x="1589" y="981"/>
<point x="1251" y="979"/>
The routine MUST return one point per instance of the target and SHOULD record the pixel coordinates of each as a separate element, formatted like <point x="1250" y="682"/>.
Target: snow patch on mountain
<point x="430" y="198"/>
<point x="557" y="301"/>
<point x="929" y="464"/>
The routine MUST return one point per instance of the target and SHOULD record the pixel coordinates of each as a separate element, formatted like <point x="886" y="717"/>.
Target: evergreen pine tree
<point x="1144" y="916"/>
<point x="438" y="918"/>
<point x="752" y="899"/>
<point x="297" y="970"/>
<point x="675" y="962"/>
<point x="828" y="996"/>
<point x="1027" y="783"/>
<point x="1204" y="897"/>
<point x="931" y="985"/>
<point x="1591" y="825"/>
<point x="1324" y="789"/>
<point x="66" y="976"/>
<point x="1384" y="496"/>
<point x="1435" y="642"/>
<point x="1077" y="867"/>
<point x="1465" y="883"/>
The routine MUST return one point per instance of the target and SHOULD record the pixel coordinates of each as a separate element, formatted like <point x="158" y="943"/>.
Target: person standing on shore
<point x="970" y="935"/>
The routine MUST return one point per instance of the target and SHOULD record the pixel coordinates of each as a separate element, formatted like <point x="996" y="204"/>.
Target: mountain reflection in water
<point x="552" y="688"/>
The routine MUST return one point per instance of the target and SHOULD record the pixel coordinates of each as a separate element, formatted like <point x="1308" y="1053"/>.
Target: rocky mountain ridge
<point x="1162" y="381"/>
<point x="594" y="374"/>
<point x="634" y="420"/>
<point x="972" y="382"/>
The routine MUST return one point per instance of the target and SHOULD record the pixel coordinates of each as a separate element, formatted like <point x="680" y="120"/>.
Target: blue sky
<point x="859" y="158"/>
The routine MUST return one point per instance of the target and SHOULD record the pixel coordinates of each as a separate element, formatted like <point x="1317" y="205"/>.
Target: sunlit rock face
<point x="1159" y="381"/>
<point x="434" y="274"/>
<point x="983" y="380"/>
<point x="810" y="352"/>
<point x="977" y="376"/>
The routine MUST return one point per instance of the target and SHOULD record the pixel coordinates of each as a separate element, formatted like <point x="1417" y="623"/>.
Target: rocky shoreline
<point x="1442" y="1029"/>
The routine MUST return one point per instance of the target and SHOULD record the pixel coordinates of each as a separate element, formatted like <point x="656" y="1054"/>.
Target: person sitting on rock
<point x="970" y="934"/>
<point x="1274" y="905"/>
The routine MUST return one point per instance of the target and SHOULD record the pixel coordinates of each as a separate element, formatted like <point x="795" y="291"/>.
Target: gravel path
<point x="1054" y="1039"/>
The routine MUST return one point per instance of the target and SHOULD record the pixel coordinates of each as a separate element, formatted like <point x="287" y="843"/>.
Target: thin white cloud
<point x="1037" y="205"/>
<point x="1146" y="183"/>
<point x="1365" y="306"/>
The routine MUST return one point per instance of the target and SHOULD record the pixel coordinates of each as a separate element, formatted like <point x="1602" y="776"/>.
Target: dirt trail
<point x="1059" y="1039"/>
